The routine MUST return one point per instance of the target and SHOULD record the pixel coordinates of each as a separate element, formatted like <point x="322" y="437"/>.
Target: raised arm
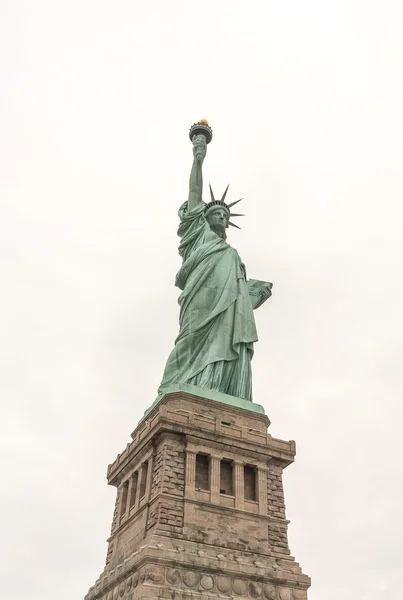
<point x="196" y="175"/>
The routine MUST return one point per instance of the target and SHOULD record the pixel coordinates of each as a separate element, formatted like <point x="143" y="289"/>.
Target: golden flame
<point x="204" y="121"/>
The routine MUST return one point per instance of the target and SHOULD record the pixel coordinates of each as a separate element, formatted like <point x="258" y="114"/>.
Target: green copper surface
<point x="217" y="329"/>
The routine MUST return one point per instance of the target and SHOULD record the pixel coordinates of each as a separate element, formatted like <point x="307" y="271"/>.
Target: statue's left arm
<point x="259" y="291"/>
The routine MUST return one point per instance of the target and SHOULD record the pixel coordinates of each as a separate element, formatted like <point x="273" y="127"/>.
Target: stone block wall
<point x="173" y="471"/>
<point x="157" y="474"/>
<point x="275" y="491"/>
<point x="168" y="485"/>
<point x="115" y="520"/>
<point x="115" y="517"/>
<point x="171" y="518"/>
<point x="278" y="537"/>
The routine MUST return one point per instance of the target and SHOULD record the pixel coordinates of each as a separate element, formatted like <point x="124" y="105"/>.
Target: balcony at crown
<point x="200" y="507"/>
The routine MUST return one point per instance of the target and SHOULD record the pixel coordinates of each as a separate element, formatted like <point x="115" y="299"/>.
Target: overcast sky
<point x="305" y="98"/>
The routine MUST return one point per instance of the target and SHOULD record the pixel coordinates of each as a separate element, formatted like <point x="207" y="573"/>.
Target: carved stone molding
<point x="199" y="584"/>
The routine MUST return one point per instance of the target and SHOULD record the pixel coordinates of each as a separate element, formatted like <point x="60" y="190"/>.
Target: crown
<point x="201" y="127"/>
<point x="214" y="203"/>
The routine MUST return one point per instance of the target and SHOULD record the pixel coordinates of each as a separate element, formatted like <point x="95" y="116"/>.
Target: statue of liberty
<point x="217" y="329"/>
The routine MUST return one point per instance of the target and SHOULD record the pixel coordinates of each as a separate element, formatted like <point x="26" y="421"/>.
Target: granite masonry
<point x="200" y="510"/>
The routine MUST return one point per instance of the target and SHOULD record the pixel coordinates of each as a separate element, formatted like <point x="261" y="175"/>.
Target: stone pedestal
<point x="200" y="508"/>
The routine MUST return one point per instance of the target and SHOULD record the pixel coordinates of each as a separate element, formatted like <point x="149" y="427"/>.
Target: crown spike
<point x="233" y="225"/>
<point x="236" y="215"/>
<point x="225" y="193"/>
<point x="233" y="203"/>
<point x="211" y="193"/>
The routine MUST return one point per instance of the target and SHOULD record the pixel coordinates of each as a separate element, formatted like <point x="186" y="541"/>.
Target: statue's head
<point x="218" y="214"/>
<point x="218" y="219"/>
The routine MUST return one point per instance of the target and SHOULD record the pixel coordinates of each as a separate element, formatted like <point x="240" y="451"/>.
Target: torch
<point x="201" y="128"/>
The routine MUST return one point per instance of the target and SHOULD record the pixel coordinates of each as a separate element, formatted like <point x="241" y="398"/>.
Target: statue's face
<point x="218" y="220"/>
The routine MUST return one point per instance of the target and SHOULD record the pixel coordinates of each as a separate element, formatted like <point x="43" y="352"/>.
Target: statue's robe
<point x="214" y="347"/>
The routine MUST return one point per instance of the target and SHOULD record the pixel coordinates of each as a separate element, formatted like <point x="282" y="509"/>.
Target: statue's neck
<point x="220" y="232"/>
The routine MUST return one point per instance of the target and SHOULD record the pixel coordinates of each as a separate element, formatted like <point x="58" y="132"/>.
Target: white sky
<point x="305" y="99"/>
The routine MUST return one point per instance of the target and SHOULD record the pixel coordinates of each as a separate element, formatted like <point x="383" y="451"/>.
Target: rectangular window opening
<point x="133" y="491"/>
<point x="250" y="482"/>
<point x="202" y="480"/>
<point x="226" y="477"/>
<point x="143" y="484"/>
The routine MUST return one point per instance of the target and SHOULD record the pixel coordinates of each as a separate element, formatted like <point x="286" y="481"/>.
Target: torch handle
<point x="199" y="151"/>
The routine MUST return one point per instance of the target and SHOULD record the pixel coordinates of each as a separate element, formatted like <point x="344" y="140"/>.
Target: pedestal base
<point x="200" y="508"/>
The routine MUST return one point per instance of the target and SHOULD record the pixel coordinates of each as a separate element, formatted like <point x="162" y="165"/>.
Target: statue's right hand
<point x="199" y="147"/>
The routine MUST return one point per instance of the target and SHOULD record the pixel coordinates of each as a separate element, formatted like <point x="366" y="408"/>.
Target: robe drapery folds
<point x="214" y="347"/>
